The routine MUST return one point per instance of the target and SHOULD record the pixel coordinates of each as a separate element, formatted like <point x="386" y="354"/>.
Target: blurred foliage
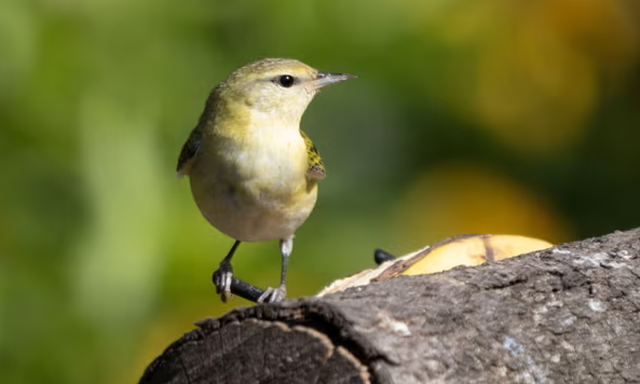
<point x="497" y="116"/>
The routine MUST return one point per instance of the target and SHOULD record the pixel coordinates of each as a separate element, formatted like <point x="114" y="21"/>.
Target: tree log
<point x="569" y="314"/>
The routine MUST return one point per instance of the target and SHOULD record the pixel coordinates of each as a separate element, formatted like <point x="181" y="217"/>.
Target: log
<point x="569" y="314"/>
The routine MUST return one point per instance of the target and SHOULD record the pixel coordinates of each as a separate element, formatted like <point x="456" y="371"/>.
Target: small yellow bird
<point x="253" y="172"/>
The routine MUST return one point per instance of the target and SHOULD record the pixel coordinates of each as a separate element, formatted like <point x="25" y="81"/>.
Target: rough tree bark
<point x="570" y="314"/>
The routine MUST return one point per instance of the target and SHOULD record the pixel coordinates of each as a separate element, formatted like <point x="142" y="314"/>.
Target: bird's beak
<point x="325" y="78"/>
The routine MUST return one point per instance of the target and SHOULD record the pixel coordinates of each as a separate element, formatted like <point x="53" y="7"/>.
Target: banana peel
<point x="454" y="251"/>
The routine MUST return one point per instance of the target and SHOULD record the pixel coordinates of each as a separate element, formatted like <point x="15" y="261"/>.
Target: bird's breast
<point x="254" y="189"/>
<point x="270" y="165"/>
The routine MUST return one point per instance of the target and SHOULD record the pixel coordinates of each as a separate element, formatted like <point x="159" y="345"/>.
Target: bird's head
<point x="281" y="88"/>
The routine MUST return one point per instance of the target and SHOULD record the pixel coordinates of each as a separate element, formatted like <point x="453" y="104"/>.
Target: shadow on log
<point x="570" y="314"/>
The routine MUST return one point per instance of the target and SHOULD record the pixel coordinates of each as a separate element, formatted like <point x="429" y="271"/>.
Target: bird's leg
<point x="272" y="295"/>
<point x="222" y="276"/>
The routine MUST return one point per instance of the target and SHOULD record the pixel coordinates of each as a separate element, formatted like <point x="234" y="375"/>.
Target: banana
<point x="451" y="252"/>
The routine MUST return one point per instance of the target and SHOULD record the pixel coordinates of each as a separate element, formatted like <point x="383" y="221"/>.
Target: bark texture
<point x="570" y="314"/>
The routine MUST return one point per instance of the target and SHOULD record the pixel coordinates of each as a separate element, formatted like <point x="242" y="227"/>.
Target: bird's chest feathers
<point x="270" y="161"/>
<point x="274" y="157"/>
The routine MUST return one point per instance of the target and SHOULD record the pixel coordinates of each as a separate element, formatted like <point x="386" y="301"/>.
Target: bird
<point x="253" y="173"/>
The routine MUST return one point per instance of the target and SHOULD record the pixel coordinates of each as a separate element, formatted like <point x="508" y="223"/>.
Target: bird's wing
<point x="315" y="168"/>
<point x="189" y="151"/>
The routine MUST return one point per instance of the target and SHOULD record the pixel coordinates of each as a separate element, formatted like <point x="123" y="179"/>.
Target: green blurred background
<point x="495" y="116"/>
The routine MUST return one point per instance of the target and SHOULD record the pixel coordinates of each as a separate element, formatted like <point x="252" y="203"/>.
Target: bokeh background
<point x="495" y="116"/>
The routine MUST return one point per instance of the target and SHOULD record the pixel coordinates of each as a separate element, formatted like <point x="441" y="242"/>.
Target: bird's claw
<point x="273" y="295"/>
<point x="222" y="279"/>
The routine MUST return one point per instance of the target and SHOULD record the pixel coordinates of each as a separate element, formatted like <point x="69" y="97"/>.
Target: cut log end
<point x="267" y="344"/>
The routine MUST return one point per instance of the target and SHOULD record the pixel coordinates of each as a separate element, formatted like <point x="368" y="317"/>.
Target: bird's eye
<point x="286" y="80"/>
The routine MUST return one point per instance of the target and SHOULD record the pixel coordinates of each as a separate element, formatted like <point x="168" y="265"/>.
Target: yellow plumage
<point x="315" y="166"/>
<point x="253" y="172"/>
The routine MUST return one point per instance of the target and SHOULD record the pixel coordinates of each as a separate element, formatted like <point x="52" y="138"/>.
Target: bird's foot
<point x="273" y="295"/>
<point x="222" y="280"/>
